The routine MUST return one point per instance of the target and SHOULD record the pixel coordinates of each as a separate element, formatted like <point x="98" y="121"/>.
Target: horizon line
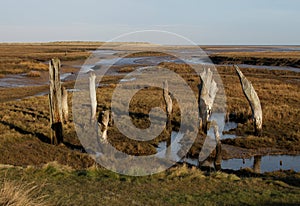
<point x="141" y="42"/>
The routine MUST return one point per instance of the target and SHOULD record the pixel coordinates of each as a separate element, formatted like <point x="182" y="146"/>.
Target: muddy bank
<point x="256" y="61"/>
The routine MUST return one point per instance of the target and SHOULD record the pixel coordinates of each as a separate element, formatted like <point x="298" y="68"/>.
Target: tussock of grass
<point x="183" y="171"/>
<point x="224" y="176"/>
<point x="20" y="194"/>
<point x="53" y="167"/>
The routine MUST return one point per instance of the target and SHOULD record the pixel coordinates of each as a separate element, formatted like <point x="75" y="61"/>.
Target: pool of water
<point x="20" y="80"/>
<point x="262" y="164"/>
<point x="267" y="163"/>
<point x="259" y="164"/>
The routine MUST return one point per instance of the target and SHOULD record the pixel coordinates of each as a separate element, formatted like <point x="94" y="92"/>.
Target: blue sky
<point x="204" y="22"/>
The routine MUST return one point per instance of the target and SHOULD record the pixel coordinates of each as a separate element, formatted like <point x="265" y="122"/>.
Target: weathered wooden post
<point x="56" y="133"/>
<point x="93" y="97"/>
<point x="218" y="157"/>
<point x="65" y="108"/>
<point x="253" y="100"/>
<point x="256" y="164"/>
<point x="169" y="108"/>
<point x="207" y="93"/>
<point x="169" y="103"/>
<point x="103" y="122"/>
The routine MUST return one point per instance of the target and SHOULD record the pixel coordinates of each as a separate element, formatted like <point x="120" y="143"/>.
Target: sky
<point x="210" y="22"/>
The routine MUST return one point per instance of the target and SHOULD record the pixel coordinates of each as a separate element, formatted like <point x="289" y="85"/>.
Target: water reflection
<point x="224" y="126"/>
<point x="257" y="164"/>
<point x="172" y="151"/>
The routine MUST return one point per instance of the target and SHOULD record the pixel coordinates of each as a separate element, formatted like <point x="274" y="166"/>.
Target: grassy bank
<point x="60" y="185"/>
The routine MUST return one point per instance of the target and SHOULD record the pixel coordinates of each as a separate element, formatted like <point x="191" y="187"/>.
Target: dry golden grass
<point x="126" y="69"/>
<point x="33" y="74"/>
<point x="281" y="55"/>
<point x="9" y="94"/>
<point x="21" y="58"/>
<point x="251" y="58"/>
<point x="11" y="66"/>
<point x="279" y="97"/>
<point x="20" y="194"/>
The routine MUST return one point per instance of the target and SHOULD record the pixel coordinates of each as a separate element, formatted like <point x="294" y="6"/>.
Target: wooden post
<point x="169" y="108"/>
<point x="218" y="157"/>
<point x="168" y="99"/>
<point x="103" y="122"/>
<point x="256" y="164"/>
<point x="65" y="108"/>
<point x="93" y="97"/>
<point x="56" y="133"/>
<point x="207" y="93"/>
<point x="253" y="100"/>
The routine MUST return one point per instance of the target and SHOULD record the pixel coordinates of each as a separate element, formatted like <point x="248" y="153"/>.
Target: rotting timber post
<point x="93" y="97"/>
<point x="65" y="108"/>
<point x="169" y="103"/>
<point x="253" y="100"/>
<point x="56" y="133"/>
<point x="207" y="92"/>
<point x="218" y="157"/>
<point x="103" y="121"/>
<point x="93" y="102"/>
<point x="169" y="108"/>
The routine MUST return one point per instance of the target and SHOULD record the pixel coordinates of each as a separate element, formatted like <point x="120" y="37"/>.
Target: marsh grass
<point x="11" y="66"/>
<point x="22" y="58"/>
<point x="279" y="99"/>
<point x="26" y="122"/>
